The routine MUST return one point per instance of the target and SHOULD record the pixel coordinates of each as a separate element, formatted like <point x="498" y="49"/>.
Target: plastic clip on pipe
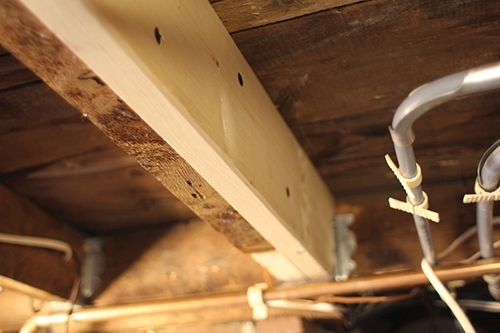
<point x="409" y="206"/>
<point x="420" y="101"/>
<point x="256" y="301"/>
<point x="487" y="191"/>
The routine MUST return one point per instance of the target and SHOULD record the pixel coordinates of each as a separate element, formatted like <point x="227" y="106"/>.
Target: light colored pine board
<point x="74" y="81"/>
<point x="278" y="265"/>
<point x="198" y="93"/>
<point x="240" y="15"/>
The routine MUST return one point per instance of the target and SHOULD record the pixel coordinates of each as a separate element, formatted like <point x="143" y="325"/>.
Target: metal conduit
<point x="374" y="283"/>
<point x="488" y="176"/>
<point x="421" y="100"/>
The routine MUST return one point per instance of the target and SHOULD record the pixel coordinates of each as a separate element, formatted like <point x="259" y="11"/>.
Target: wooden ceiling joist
<point x="238" y="15"/>
<point x="38" y="267"/>
<point x="186" y="104"/>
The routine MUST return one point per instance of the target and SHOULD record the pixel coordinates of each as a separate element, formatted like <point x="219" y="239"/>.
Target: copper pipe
<point x="374" y="282"/>
<point x="364" y="299"/>
<point x="101" y="313"/>
<point x="383" y="282"/>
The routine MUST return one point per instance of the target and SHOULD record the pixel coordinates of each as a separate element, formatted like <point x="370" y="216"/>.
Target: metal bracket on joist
<point x="92" y="266"/>
<point x="345" y="245"/>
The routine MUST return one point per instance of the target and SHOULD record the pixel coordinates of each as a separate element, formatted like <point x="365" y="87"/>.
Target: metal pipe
<point x="488" y="176"/>
<point x="374" y="282"/>
<point x="421" y="100"/>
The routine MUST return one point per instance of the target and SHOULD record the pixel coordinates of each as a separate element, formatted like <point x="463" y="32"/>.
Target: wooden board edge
<point x="44" y="53"/>
<point x="242" y="15"/>
<point x="181" y="109"/>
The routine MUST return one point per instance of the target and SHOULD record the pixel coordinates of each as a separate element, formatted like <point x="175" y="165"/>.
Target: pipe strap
<point x="407" y="183"/>
<point x="420" y="210"/>
<point x="481" y="194"/>
<point x="256" y="301"/>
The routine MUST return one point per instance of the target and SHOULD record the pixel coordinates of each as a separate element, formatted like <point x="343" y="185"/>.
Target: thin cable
<point x="477" y="255"/>
<point x="363" y="299"/>
<point x="463" y="238"/>
<point x="46" y="243"/>
<point x="446" y="297"/>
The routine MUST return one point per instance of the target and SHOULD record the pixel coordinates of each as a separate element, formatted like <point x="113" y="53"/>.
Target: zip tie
<point x="481" y="194"/>
<point x="407" y="183"/>
<point x="420" y="210"/>
<point x="256" y="301"/>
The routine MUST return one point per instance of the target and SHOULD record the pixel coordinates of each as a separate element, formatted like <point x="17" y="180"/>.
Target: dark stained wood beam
<point x="13" y="72"/>
<point x="338" y="76"/>
<point x="243" y="14"/>
<point x="41" y="268"/>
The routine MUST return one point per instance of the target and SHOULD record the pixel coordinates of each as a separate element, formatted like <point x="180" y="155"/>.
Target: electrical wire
<point x="477" y="255"/>
<point x="46" y="243"/>
<point x="446" y="297"/>
<point x="463" y="238"/>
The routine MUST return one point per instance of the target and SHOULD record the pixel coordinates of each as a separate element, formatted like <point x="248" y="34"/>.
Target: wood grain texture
<point x="243" y="14"/>
<point x="387" y="238"/>
<point x="184" y="259"/>
<point x="75" y="82"/>
<point x="41" y="268"/>
<point x="13" y="72"/>
<point x="38" y="127"/>
<point x="450" y="140"/>
<point x="338" y="76"/>
<point x="100" y="192"/>
<point x="223" y="128"/>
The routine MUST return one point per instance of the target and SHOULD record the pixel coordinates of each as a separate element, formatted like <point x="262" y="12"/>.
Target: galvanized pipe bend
<point x="420" y="101"/>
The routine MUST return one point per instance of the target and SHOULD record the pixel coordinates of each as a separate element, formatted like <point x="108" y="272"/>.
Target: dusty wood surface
<point x="371" y="63"/>
<point x="337" y="77"/>
<point x="243" y="14"/>
<point x="41" y="268"/>
<point x="223" y="128"/>
<point x="13" y="72"/>
<point x="75" y="82"/>
<point x="100" y="192"/>
<point x="39" y="128"/>
<point x="387" y="238"/>
<point x="185" y="259"/>
<point x="59" y="159"/>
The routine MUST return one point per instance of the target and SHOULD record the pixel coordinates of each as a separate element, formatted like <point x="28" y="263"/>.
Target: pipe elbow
<point x="428" y="96"/>
<point x="489" y="168"/>
<point x="422" y="100"/>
